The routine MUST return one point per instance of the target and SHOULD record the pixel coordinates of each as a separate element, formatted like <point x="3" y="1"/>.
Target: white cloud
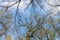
<point x="22" y="5"/>
<point x="50" y="8"/>
<point x="53" y="2"/>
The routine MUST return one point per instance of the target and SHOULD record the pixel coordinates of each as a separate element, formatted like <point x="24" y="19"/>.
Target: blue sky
<point x="26" y="12"/>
